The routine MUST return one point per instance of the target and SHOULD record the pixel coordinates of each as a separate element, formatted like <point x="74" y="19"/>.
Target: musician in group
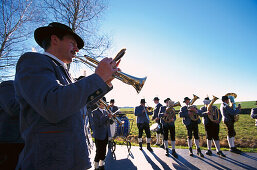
<point x="228" y="114"/>
<point x="187" y="112"/>
<point x="212" y="125"/>
<point x="167" y="118"/>
<point x="113" y="108"/>
<point x="159" y="131"/>
<point x="101" y="133"/>
<point x="142" y="113"/>
<point x="254" y="114"/>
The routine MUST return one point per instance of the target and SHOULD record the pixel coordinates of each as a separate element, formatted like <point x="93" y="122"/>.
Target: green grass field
<point x="246" y="137"/>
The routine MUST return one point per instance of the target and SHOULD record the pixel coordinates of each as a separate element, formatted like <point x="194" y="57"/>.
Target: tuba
<point x="107" y="107"/>
<point x="137" y="83"/>
<point x="195" y="116"/>
<point x="171" y="112"/>
<point x="232" y="97"/>
<point x="213" y="110"/>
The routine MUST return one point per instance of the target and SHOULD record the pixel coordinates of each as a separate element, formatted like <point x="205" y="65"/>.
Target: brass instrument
<point x="137" y="83"/>
<point x="232" y="97"/>
<point x="214" y="116"/>
<point x="149" y="109"/>
<point x="171" y="112"/>
<point x="195" y="116"/>
<point x="107" y="107"/>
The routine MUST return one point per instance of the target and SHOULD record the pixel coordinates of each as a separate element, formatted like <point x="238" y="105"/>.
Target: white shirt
<point x="57" y="59"/>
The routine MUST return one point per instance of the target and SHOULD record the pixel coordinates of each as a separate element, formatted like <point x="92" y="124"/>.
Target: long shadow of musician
<point x="249" y="156"/>
<point x="240" y="164"/>
<point x="149" y="160"/>
<point x="113" y="164"/>
<point x="209" y="163"/>
<point x="182" y="163"/>
<point x="215" y="162"/>
<point x="164" y="165"/>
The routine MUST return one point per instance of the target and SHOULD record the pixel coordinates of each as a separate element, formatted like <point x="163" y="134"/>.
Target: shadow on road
<point x="182" y="162"/>
<point x="249" y="156"/>
<point x="164" y="165"/>
<point x="240" y="164"/>
<point x="113" y="164"/>
<point x="149" y="160"/>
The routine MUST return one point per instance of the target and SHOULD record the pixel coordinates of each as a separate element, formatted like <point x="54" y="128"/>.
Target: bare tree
<point x="83" y="17"/>
<point x="16" y="17"/>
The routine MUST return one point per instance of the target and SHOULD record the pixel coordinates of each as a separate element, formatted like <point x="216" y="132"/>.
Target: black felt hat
<point x="156" y="98"/>
<point x="186" y="98"/>
<point x="112" y="101"/>
<point x="142" y="101"/>
<point x="56" y="28"/>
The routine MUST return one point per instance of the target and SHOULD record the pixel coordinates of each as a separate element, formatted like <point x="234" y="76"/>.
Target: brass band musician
<point x="228" y="114"/>
<point x="191" y="125"/>
<point x="212" y="126"/>
<point x="168" y="126"/>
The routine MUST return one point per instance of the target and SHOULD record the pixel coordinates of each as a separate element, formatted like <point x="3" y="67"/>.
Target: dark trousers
<point x="231" y="129"/>
<point x="212" y="130"/>
<point x="192" y="128"/>
<point x="141" y="127"/>
<point x="168" y="128"/>
<point x="9" y="155"/>
<point x="100" y="149"/>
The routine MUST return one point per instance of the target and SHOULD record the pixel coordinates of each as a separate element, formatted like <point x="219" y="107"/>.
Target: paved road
<point x="146" y="160"/>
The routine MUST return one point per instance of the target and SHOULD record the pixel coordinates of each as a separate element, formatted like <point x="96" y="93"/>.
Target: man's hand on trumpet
<point x="105" y="69"/>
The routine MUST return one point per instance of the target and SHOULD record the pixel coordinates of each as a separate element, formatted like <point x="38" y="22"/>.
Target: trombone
<point x="101" y="101"/>
<point x="137" y="83"/>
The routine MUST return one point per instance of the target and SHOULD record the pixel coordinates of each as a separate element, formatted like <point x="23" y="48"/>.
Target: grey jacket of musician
<point x="184" y="114"/>
<point x="52" y="113"/>
<point x="228" y="113"/>
<point x="161" y="114"/>
<point x="254" y="113"/>
<point x="9" y="114"/>
<point x="206" y="119"/>
<point x="141" y="116"/>
<point x="101" y="124"/>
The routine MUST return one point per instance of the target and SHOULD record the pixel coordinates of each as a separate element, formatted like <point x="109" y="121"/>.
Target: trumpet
<point x="101" y="101"/>
<point x="149" y="109"/>
<point x="194" y="117"/>
<point x="137" y="83"/>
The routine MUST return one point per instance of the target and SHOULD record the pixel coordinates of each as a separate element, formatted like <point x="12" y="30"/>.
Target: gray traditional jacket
<point x="228" y="113"/>
<point x="102" y="124"/>
<point x="186" y="119"/>
<point x="142" y="117"/>
<point x="52" y="107"/>
<point x="206" y="119"/>
<point x="161" y="114"/>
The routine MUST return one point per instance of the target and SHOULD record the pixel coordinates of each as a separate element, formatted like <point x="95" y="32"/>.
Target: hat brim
<point x="42" y="32"/>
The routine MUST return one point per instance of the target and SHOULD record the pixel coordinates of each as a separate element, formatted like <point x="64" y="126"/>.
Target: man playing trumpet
<point x="168" y="126"/>
<point x="212" y="125"/>
<point x="192" y="126"/>
<point x="142" y="114"/>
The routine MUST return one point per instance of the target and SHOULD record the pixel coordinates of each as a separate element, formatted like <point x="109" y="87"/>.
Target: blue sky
<point x="184" y="47"/>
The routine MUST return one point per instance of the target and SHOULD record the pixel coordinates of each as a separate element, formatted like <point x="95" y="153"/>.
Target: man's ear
<point x="54" y="40"/>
